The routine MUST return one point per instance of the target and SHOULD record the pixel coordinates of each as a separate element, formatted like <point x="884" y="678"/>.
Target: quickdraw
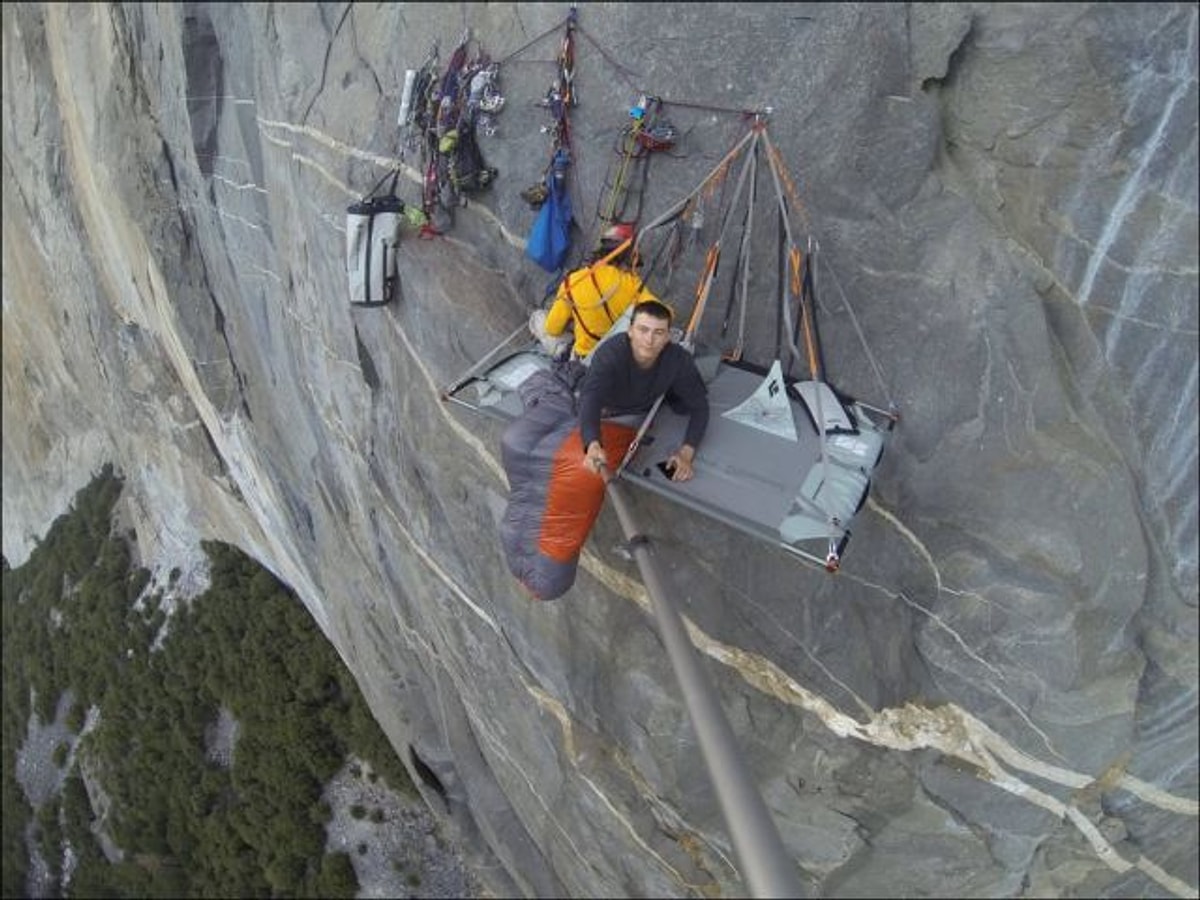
<point x="448" y="113"/>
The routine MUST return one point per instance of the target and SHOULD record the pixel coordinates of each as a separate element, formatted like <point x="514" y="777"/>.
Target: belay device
<point x="372" y="236"/>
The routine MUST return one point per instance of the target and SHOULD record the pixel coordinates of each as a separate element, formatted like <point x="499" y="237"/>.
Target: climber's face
<point x="647" y="337"/>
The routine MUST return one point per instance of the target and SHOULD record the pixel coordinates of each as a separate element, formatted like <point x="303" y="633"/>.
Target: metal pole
<point x="765" y="865"/>
<point x="483" y="363"/>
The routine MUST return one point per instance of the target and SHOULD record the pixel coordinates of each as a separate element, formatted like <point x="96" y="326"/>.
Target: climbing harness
<point x="601" y="302"/>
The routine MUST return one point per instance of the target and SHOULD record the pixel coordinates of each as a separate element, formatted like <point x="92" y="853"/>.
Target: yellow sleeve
<point x="560" y="312"/>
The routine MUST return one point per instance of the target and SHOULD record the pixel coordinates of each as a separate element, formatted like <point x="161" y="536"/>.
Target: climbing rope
<point x="789" y="185"/>
<point x="624" y="72"/>
<point x="866" y="347"/>
<point x="545" y="34"/>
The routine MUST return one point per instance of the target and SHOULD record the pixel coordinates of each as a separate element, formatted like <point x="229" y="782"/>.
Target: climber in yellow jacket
<point x="592" y="298"/>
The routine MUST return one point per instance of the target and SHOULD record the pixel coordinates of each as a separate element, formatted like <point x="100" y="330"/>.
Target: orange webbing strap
<point x="786" y="177"/>
<point x="718" y="176"/>
<point x="717" y="179"/>
<point x="579" y="321"/>
<point x="602" y="296"/>
<point x="702" y="287"/>
<point x="574" y="305"/>
<point x="805" y="315"/>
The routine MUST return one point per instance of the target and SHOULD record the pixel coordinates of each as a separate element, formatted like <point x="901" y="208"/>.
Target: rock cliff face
<point x="996" y="696"/>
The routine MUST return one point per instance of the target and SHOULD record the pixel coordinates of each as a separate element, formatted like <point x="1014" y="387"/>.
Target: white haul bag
<point x="372" y="239"/>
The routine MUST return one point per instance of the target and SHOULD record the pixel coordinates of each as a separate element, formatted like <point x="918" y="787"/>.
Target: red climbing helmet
<point x="617" y="234"/>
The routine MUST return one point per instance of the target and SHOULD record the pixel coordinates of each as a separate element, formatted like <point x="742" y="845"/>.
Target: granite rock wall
<point x="997" y="695"/>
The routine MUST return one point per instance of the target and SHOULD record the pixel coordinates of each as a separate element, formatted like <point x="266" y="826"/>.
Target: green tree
<point x="336" y="878"/>
<point x="186" y="825"/>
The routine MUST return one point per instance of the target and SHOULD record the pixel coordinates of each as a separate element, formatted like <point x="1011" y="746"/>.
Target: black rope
<point x="629" y="75"/>
<point x="809" y="289"/>
<point x="394" y="175"/>
<point x="802" y="302"/>
<point x="749" y="113"/>
<point x="742" y="250"/>
<point x="626" y="73"/>
<point x="544" y="34"/>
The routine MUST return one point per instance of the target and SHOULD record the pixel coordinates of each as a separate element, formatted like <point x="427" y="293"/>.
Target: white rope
<point x="863" y="340"/>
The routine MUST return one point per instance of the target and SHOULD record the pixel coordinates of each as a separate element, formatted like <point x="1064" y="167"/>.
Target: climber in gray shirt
<point x="628" y="373"/>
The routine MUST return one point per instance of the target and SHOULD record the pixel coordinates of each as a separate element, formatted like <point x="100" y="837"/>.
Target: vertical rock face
<point x="997" y="695"/>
